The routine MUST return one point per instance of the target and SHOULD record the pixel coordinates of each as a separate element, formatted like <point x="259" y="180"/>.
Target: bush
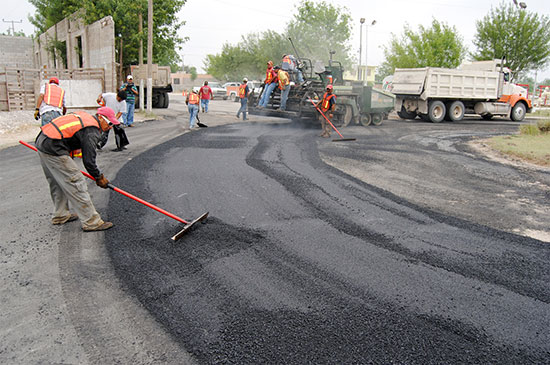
<point x="544" y="126"/>
<point x="529" y="130"/>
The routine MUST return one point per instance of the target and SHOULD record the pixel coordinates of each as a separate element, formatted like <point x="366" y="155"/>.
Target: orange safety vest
<point x="54" y="95"/>
<point x="268" y="75"/>
<point x="325" y="104"/>
<point x="288" y="61"/>
<point x="242" y="91"/>
<point x="193" y="98"/>
<point x="67" y="125"/>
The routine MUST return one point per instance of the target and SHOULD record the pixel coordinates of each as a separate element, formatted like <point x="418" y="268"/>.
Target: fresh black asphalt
<point x="301" y="263"/>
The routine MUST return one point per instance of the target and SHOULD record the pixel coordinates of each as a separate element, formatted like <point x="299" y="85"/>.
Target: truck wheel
<point x="436" y="111"/>
<point x="518" y="112"/>
<point x="160" y="101"/>
<point x="166" y="101"/>
<point x="365" y="120"/>
<point x="404" y="114"/>
<point x="377" y="119"/>
<point x="455" y="111"/>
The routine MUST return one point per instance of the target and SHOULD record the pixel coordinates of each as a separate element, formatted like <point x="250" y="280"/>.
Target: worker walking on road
<point x="327" y="106"/>
<point x="51" y="102"/>
<point x="192" y="102"/>
<point x="206" y="94"/>
<point x="243" y="95"/>
<point x="56" y="143"/>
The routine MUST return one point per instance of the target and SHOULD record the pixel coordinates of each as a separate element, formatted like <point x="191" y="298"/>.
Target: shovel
<point x="341" y="139"/>
<point x="177" y="236"/>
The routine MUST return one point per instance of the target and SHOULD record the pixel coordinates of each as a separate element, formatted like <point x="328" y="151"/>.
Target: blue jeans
<point x="193" y="111"/>
<point x="267" y="94"/>
<point x="244" y="102"/>
<point x="284" y="97"/>
<point x="128" y="117"/>
<point x="49" y="116"/>
<point x="204" y="105"/>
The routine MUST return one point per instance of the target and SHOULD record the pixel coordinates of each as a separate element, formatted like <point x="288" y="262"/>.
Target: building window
<point x="176" y="81"/>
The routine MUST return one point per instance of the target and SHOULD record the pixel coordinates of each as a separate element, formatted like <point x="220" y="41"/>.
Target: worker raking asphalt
<point x="300" y="263"/>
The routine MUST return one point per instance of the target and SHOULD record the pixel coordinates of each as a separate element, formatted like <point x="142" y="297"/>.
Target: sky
<point x="211" y="23"/>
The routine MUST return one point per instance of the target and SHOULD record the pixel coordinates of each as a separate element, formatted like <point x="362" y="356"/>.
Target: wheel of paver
<point x="377" y="119"/>
<point x="455" y="111"/>
<point x="487" y="116"/>
<point x="166" y="100"/>
<point x="518" y="112"/>
<point x="436" y="111"/>
<point x="348" y="116"/>
<point x="404" y="114"/>
<point x="366" y="119"/>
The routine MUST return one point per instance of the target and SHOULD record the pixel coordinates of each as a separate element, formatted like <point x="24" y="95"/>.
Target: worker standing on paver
<point x="270" y="83"/>
<point x="55" y="143"/>
<point x="284" y="86"/>
<point x="131" y="93"/>
<point x="192" y="102"/>
<point x="327" y="104"/>
<point x="290" y="64"/>
<point x="51" y="102"/>
<point x="243" y="95"/>
<point x="206" y="94"/>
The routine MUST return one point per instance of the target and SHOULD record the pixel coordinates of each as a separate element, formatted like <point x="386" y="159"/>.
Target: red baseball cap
<point x="54" y="80"/>
<point x="109" y="114"/>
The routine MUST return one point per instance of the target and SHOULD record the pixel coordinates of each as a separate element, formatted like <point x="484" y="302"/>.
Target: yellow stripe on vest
<point x="69" y="125"/>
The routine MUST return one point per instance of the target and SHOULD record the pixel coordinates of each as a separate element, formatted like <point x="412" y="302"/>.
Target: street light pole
<point x="362" y="20"/>
<point x="366" y="47"/>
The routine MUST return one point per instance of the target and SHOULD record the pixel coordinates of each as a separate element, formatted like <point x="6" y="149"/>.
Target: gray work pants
<point x="67" y="185"/>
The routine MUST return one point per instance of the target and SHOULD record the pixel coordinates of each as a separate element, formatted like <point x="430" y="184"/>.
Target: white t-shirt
<point x="113" y="103"/>
<point x="47" y="107"/>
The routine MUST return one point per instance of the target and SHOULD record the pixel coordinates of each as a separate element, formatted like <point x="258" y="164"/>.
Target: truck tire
<point x="436" y="111"/>
<point x="377" y="119"/>
<point x="518" y="112"/>
<point x="365" y="119"/>
<point x="160" y="101"/>
<point x="404" y="114"/>
<point x="455" y="111"/>
<point x="166" y="101"/>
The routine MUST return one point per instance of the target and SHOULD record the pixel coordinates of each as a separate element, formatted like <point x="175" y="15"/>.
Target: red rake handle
<point x="125" y="193"/>
<point x="329" y="122"/>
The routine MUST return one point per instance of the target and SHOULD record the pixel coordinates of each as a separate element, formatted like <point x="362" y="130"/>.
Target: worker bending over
<point x="327" y="106"/>
<point x="55" y="143"/>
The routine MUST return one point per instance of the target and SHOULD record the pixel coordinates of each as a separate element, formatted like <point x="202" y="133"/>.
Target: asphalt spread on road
<point x="301" y="263"/>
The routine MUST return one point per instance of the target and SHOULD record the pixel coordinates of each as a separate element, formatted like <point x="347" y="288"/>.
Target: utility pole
<point x="362" y="21"/>
<point x="150" y="57"/>
<point x="141" y="81"/>
<point x="367" y="49"/>
<point x="12" y="24"/>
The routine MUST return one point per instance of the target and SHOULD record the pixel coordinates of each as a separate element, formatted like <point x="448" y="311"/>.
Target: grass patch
<point x="532" y="148"/>
<point x="541" y="112"/>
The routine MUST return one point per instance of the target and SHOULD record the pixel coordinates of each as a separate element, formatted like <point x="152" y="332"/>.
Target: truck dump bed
<point x="441" y="83"/>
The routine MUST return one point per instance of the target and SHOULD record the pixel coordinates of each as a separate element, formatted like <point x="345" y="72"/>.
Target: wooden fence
<point x="19" y="88"/>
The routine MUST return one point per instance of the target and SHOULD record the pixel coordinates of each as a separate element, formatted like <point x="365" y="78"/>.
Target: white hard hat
<point x="245" y="80"/>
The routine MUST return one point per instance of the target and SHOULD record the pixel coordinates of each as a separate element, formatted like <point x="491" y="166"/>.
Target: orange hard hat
<point x="270" y="63"/>
<point x="54" y="80"/>
<point x="329" y="87"/>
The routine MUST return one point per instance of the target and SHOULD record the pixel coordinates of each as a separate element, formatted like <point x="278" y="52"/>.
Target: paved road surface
<point x="299" y="261"/>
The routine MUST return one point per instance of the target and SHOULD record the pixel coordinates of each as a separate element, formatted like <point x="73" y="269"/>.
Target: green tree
<point x="520" y="36"/>
<point x="191" y="70"/>
<point x="437" y="46"/>
<point x="318" y="28"/>
<point x="315" y="30"/>
<point x="166" y="41"/>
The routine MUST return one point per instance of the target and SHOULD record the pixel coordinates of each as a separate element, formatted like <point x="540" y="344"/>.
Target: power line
<point x="12" y="24"/>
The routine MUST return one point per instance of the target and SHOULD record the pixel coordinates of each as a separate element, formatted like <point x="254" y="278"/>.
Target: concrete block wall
<point x="16" y="52"/>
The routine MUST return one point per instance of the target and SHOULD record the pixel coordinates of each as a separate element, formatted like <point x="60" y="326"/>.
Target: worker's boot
<point x="102" y="227"/>
<point x="62" y="220"/>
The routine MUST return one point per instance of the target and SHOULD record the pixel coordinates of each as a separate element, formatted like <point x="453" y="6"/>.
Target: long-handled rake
<point x="341" y="139"/>
<point x="177" y="236"/>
